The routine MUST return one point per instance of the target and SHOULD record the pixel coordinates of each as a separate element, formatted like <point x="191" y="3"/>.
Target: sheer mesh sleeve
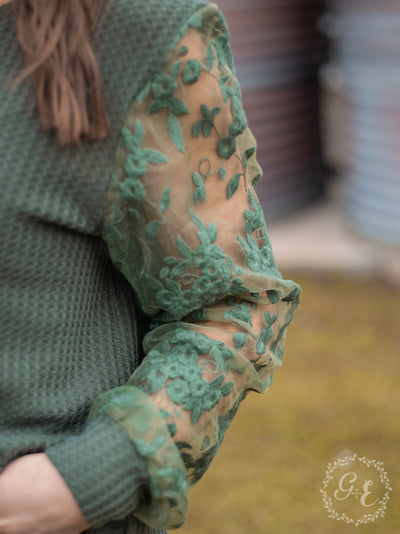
<point x="185" y="227"/>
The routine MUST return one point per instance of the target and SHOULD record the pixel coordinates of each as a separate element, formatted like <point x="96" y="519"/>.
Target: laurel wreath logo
<point x="343" y="462"/>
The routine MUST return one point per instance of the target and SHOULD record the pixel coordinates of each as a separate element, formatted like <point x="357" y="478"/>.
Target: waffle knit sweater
<point x="169" y="197"/>
<point x="67" y="316"/>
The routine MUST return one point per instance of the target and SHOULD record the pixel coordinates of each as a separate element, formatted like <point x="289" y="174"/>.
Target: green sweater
<point x="168" y="198"/>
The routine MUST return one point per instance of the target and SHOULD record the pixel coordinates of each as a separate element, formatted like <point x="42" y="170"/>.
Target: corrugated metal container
<point x="366" y="52"/>
<point x="278" y="51"/>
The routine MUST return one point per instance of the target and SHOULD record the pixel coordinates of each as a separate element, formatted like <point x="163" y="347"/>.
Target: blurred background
<point x="321" y="90"/>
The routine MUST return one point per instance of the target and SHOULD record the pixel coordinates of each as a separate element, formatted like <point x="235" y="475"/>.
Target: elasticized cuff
<point x="103" y="469"/>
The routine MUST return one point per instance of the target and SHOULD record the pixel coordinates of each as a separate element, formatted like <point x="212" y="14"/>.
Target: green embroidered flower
<point x="184" y="355"/>
<point x="206" y="124"/>
<point x="173" y="369"/>
<point x="156" y="377"/>
<point x="178" y="390"/>
<point x="192" y="372"/>
<point x="198" y="386"/>
<point x="226" y="147"/>
<point x="135" y="164"/>
<point x="191" y="71"/>
<point x="214" y="269"/>
<point x="132" y="189"/>
<point x="239" y="123"/>
<point x="170" y="294"/>
<point x="200" y="342"/>
<point x="163" y="86"/>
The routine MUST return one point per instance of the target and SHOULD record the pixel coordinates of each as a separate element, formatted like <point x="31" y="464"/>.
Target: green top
<point x="169" y="197"/>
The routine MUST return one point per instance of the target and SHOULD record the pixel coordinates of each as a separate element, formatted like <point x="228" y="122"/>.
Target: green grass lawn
<point x="338" y="390"/>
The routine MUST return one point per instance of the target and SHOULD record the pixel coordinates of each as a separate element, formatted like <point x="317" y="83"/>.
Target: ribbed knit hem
<point x="102" y="468"/>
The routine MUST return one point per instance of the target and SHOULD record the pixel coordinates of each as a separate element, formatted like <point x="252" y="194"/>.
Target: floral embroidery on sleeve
<point x="185" y="227"/>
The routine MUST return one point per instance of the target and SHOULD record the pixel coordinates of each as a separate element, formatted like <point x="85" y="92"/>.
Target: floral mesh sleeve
<point x="185" y="227"/>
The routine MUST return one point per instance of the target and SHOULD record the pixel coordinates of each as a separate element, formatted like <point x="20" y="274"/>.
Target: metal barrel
<point x="364" y="80"/>
<point x="278" y="51"/>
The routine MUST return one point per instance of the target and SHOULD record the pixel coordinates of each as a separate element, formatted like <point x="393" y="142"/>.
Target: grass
<point x="338" y="390"/>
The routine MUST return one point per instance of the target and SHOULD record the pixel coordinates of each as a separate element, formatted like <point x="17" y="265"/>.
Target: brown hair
<point x="55" y="36"/>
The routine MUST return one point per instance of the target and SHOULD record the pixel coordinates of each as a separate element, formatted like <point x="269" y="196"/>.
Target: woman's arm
<point x="185" y="227"/>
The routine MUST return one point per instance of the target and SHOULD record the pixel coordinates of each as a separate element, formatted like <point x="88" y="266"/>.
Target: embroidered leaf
<point x="133" y="213"/>
<point x="154" y="157"/>
<point x="157" y="105"/>
<point x="197" y="220"/>
<point x="247" y="155"/>
<point x="207" y="129"/>
<point x="171" y="261"/>
<point x="153" y="284"/>
<point x="173" y="286"/>
<point x="179" y="416"/>
<point x="200" y="193"/>
<point x="212" y="232"/>
<point x="175" y="132"/>
<point x="164" y="272"/>
<point x="216" y="382"/>
<point x="210" y="57"/>
<point x="256" y="179"/>
<point x="204" y="239"/>
<point x="152" y="229"/>
<point x="183" y="50"/>
<point x="197" y="127"/>
<point x="177" y="107"/>
<point x="226" y="388"/>
<point x="196" y="413"/>
<point x="218" y="357"/>
<point x="128" y="140"/>
<point x="260" y="347"/>
<point x="139" y="132"/>
<point x="165" y="200"/>
<point x="233" y="185"/>
<point x="183" y="248"/>
<point x="222" y="173"/>
<point x="175" y="69"/>
<point x="173" y="429"/>
<point x="180" y="269"/>
<point x="239" y="339"/>
<point x="143" y="93"/>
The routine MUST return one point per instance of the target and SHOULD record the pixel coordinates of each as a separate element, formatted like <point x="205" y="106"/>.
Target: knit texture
<point x="67" y="317"/>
